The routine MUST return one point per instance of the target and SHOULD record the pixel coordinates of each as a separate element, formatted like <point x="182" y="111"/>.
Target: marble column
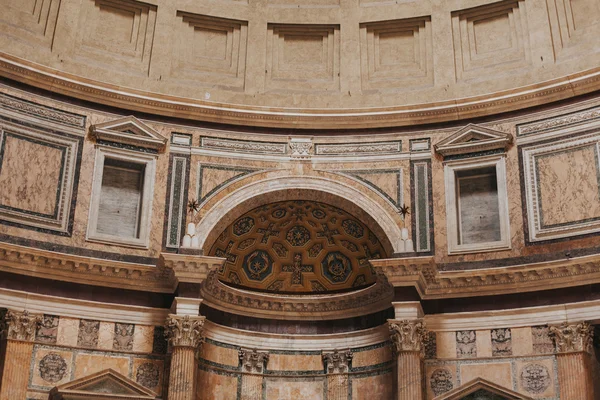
<point x="574" y="357"/>
<point x="337" y="365"/>
<point x="407" y="342"/>
<point x="185" y="336"/>
<point x="253" y="364"/>
<point x="19" y="331"/>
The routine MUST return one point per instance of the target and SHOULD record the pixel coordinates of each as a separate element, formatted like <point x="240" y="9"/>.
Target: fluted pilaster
<point x="18" y="329"/>
<point x="253" y="364"/>
<point x="407" y="341"/>
<point x="574" y="347"/>
<point x="185" y="336"/>
<point x="337" y="365"/>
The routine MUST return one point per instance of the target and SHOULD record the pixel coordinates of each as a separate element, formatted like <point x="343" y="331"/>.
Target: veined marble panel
<point x="562" y="187"/>
<point x="297" y="388"/>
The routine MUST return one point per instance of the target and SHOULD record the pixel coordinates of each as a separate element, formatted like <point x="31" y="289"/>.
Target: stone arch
<point x="381" y="218"/>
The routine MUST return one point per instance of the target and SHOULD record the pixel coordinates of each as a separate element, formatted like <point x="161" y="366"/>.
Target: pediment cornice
<point x="473" y="139"/>
<point x="129" y="131"/>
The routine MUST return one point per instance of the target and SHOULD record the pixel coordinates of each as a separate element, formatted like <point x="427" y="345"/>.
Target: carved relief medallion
<point x="148" y="375"/>
<point x="52" y="368"/>
<point x="535" y="378"/>
<point x="441" y="381"/>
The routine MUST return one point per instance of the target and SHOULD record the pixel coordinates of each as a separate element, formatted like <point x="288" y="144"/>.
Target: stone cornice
<point x="422" y="273"/>
<point x="190" y="268"/>
<point x="324" y="306"/>
<point x="450" y="110"/>
<point x="162" y="278"/>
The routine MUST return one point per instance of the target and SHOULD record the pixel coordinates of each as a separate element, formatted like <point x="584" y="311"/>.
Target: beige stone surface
<point x="68" y="329"/>
<point x="106" y="335"/>
<point x="86" y="364"/>
<point x="371" y="357"/>
<point x="374" y="387"/>
<point x="499" y="373"/>
<point x="522" y="341"/>
<point x="446" y="344"/>
<point x="484" y="343"/>
<point x="143" y="338"/>
<point x="221" y="355"/>
<point x="292" y="362"/>
<point x="285" y="388"/>
<point x="211" y="386"/>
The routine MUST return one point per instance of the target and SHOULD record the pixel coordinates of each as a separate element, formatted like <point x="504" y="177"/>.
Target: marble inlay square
<point x="68" y="330"/>
<point x="521" y="341"/>
<point x="88" y="333"/>
<point x="123" y="339"/>
<point x="149" y="373"/>
<point x="47" y="331"/>
<point x="466" y="344"/>
<point x="542" y="342"/>
<point x="446" y="344"/>
<point x="501" y="342"/>
<point x="143" y="337"/>
<point x="536" y="378"/>
<point x="106" y="335"/>
<point x="51" y="367"/>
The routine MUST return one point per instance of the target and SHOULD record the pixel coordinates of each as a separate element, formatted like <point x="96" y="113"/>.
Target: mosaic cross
<point x="297" y="269"/>
<point x="368" y="256"/>
<point x="267" y="233"/>
<point x="327" y="233"/>
<point x="227" y="254"/>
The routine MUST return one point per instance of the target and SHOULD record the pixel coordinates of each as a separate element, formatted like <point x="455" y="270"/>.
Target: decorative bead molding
<point x="20" y="325"/>
<point x="184" y="331"/>
<point x="253" y="361"/>
<point x="337" y="362"/>
<point x="407" y="335"/>
<point x="374" y="298"/>
<point x="570" y="338"/>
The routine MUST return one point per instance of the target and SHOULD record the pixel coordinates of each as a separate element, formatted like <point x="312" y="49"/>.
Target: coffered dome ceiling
<point x="297" y="246"/>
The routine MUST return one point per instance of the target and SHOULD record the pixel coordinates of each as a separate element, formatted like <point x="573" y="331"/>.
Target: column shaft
<point x="252" y="386"/>
<point x="409" y="375"/>
<point x="575" y="376"/>
<point x="182" y="379"/>
<point x="16" y="370"/>
<point x="337" y="387"/>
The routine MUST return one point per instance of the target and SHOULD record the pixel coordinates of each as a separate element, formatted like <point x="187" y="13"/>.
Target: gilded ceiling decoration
<point x="297" y="246"/>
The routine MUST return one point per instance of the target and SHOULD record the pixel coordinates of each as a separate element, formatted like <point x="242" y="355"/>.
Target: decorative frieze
<point x="407" y="335"/>
<point x="337" y="362"/>
<point x="569" y="338"/>
<point x="20" y="325"/>
<point x="244" y="146"/>
<point x="184" y="331"/>
<point x="253" y="361"/>
<point x="354" y="149"/>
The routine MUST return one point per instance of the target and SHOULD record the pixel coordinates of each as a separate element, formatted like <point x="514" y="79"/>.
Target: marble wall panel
<point x="51" y="367"/>
<point x="499" y="373"/>
<point x="371" y="357"/>
<point x="466" y="344"/>
<point x="88" y="363"/>
<point x="143" y="338"/>
<point x="541" y="340"/>
<point x="68" y="331"/>
<point x="294" y="362"/>
<point x="483" y="343"/>
<point x="379" y="387"/>
<point x="220" y="354"/>
<point x="106" y="335"/>
<point x="47" y="330"/>
<point x="446" y="344"/>
<point x="88" y="333"/>
<point x="217" y="386"/>
<point x="501" y="342"/>
<point x="521" y="341"/>
<point x="149" y="373"/>
<point x="298" y="388"/>
<point x="123" y="338"/>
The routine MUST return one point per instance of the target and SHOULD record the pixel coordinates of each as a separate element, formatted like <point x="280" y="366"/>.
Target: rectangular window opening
<point x="478" y="206"/>
<point x="121" y="197"/>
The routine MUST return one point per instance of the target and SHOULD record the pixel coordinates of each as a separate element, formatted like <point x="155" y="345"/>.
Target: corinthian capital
<point x="573" y="337"/>
<point x="337" y="362"/>
<point x="253" y="361"/>
<point x="184" y="331"/>
<point x="20" y="325"/>
<point x="407" y="335"/>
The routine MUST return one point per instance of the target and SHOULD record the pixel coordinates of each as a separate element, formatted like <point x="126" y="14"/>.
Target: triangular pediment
<point x="131" y="131"/>
<point x="481" y="389"/>
<point x="473" y="139"/>
<point x="103" y="385"/>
